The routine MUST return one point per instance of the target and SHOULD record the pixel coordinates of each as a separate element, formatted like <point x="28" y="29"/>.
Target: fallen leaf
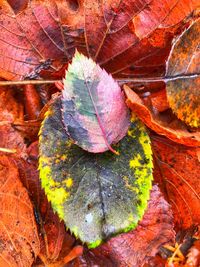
<point x="19" y="241"/>
<point x="177" y="170"/>
<point x="174" y="130"/>
<point x="128" y="38"/>
<point x="138" y="246"/>
<point x="34" y="40"/>
<point x="183" y="93"/>
<point x="93" y="106"/>
<point x="131" y="38"/>
<point x="53" y="237"/>
<point x="97" y="195"/>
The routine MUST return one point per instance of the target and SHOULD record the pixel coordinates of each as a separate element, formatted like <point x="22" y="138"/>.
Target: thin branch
<point x="121" y="81"/>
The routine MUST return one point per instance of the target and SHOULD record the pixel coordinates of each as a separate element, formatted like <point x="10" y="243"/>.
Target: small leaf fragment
<point x="97" y="195"/>
<point x="94" y="111"/>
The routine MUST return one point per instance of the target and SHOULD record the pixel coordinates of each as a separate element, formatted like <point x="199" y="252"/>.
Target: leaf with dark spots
<point x="173" y="128"/>
<point x="177" y="170"/>
<point x="19" y="241"/>
<point x="138" y="246"/>
<point x="183" y="93"/>
<point x="97" y="195"/>
<point x="93" y="106"/>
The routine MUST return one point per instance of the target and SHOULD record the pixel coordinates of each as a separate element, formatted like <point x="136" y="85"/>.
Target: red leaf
<point x="177" y="170"/>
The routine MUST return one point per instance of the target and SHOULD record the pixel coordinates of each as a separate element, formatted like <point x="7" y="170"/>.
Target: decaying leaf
<point x="19" y="241"/>
<point x="93" y="106"/>
<point x="96" y="195"/>
<point x="138" y="246"/>
<point x="183" y="93"/>
<point x="174" y="130"/>
<point x="177" y="170"/>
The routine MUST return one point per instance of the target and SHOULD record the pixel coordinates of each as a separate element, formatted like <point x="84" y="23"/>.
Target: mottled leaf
<point x="19" y="241"/>
<point x="93" y="106"/>
<point x="177" y="170"/>
<point x="174" y="129"/>
<point x="138" y="246"/>
<point x="183" y="93"/>
<point x="97" y="195"/>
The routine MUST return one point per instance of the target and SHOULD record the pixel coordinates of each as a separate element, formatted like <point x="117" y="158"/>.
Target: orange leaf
<point x="177" y="170"/>
<point x="18" y="232"/>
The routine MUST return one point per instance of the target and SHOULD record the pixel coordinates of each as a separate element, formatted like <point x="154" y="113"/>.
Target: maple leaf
<point x="93" y="106"/>
<point x="89" y="191"/>
<point x="183" y="93"/>
<point x="18" y="231"/>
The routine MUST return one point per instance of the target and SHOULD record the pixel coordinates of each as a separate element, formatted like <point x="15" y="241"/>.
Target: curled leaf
<point x="97" y="195"/>
<point x="93" y="106"/>
<point x="176" y="130"/>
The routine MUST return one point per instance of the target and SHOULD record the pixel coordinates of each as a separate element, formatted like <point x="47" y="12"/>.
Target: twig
<point x="120" y="81"/>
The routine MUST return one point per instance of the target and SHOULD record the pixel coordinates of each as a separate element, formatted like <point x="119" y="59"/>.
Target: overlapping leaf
<point x="19" y="241"/>
<point x="183" y="93"/>
<point x="126" y="37"/>
<point x="96" y="195"/>
<point x="138" y="246"/>
<point x="93" y="106"/>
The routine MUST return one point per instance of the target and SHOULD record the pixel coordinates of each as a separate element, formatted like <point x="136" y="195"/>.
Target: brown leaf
<point x="55" y="242"/>
<point x="19" y="241"/>
<point x="174" y="129"/>
<point x="183" y="93"/>
<point x="136" y="247"/>
<point x="177" y="170"/>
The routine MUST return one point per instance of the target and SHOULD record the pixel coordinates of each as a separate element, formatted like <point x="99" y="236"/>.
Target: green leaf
<point x="93" y="106"/>
<point x="97" y="195"/>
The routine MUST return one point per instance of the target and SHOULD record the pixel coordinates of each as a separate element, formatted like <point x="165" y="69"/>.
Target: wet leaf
<point x="93" y="106"/>
<point x="183" y="93"/>
<point x="19" y="241"/>
<point x="177" y="170"/>
<point x="138" y="246"/>
<point x="173" y="128"/>
<point x="97" y="195"/>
